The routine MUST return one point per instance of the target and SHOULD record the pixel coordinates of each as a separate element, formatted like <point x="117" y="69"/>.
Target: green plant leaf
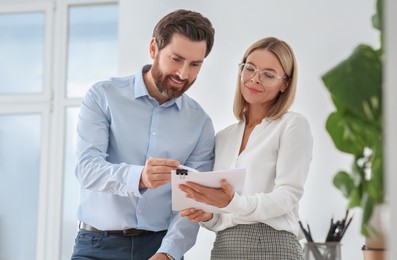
<point x="351" y="134"/>
<point x="344" y="183"/>
<point x="368" y="206"/>
<point x="377" y="23"/>
<point x="355" y="84"/>
<point x="356" y="127"/>
<point x="375" y="183"/>
<point x="377" y="18"/>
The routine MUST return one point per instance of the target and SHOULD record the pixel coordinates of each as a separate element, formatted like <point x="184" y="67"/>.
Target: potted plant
<point x="356" y="126"/>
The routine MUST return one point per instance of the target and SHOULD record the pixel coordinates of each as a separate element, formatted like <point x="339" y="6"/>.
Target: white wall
<point x="322" y="33"/>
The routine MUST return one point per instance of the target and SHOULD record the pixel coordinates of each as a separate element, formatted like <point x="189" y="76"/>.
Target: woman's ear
<point x="153" y="48"/>
<point x="284" y="87"/>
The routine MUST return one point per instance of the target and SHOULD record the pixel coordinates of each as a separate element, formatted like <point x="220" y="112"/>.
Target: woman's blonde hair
<point x="287" y="60"/>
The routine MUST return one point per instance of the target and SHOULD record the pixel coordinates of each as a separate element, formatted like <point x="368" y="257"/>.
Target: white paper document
<point x="210" y="179"/>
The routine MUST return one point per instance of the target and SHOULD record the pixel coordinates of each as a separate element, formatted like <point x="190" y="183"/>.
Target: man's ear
<point x="153" y="48"/>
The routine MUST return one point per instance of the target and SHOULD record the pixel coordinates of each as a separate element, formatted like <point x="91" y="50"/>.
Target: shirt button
<point x="153" y="133"/>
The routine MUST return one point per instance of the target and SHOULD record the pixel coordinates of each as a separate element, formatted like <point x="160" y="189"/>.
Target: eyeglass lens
<point x="266" y="77"/>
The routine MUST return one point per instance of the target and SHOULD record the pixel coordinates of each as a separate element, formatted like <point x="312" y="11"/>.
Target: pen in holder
<point x="322" y="251"/>
<point x="331" y="248"/>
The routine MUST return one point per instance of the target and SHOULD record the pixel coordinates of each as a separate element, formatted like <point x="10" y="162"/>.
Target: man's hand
<point x="157" y="172"/>
<point x="196" y="215"/>
<point x="218" y="197"/>
<point x="159" y="256"/>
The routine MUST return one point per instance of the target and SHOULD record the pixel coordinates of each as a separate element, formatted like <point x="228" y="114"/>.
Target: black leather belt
<point x="126" y="232"/>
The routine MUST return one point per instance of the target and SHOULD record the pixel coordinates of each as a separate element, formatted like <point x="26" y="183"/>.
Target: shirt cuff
<point x="168" y="255"/>
<point x="133" y="178"/>
<point x="210" y="223"/>
<point x="236" y="204"/>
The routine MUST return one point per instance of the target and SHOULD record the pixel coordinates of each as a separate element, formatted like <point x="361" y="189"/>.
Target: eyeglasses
<point x="266" y="77"/>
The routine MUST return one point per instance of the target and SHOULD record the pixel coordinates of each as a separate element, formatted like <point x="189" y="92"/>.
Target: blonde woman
<point x="275" y="146"/>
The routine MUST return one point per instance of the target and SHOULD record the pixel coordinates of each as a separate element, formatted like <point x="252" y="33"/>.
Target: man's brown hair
<point x="188" y="23"/>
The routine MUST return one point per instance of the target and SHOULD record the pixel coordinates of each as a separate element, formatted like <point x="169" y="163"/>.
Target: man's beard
<point x="163" y="85"/>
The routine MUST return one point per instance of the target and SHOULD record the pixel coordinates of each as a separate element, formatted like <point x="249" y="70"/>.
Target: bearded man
<point x="132" y="131"/>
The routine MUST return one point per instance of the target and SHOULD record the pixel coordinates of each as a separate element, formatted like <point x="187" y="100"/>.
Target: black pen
<point x="347" y="225"/>
<point x="316" y="252"/>
<point x="306" y="233"/>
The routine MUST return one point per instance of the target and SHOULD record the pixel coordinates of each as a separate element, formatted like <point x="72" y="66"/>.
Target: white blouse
<point x="277" y="159"/>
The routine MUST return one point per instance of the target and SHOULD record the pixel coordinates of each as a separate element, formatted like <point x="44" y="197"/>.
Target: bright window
<point x="20" y="149"/>
<point x="92" y="47"/>
<point x="21" y="52"/>
<point x="50" y="55"/>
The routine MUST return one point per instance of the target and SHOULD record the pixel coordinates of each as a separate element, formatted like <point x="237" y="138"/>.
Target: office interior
<point x="51" y="52"/>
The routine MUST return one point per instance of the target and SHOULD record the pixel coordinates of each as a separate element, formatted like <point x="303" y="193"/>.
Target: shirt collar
<point x="140" y="89"/>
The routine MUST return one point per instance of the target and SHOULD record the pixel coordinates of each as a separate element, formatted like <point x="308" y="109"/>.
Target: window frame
<point x="51" y="104"/>
<point x="47" y="9"/>
<point x="40" y="103"/>
<point x="61" y="104"/>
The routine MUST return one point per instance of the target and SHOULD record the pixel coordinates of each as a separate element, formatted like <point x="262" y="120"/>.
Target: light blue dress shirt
<point x="120" y="126"/>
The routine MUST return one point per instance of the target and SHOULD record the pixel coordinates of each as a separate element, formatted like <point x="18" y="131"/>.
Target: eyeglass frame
<point x="242" y="66"/>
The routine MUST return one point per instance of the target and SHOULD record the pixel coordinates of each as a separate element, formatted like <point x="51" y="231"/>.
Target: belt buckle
<point x="130" y="232"/>
<point x="127" y="232"/>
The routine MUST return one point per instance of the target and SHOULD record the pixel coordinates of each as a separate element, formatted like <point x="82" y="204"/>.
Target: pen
<point x="347" y="225"/>
<point x="306" y="233"/>
<point x="309" y="238"/>
<point x="337" y="229"/>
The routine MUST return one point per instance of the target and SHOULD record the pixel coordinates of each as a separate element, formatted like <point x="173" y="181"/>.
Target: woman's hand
<point x="218" y="197"/>
<point x="196" y="215"/>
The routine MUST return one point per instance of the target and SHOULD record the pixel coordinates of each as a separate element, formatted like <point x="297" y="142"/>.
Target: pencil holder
<point x="322" y="251"/>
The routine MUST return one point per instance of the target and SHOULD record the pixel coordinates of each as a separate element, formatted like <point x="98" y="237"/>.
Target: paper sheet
<point x="211" y="179"/>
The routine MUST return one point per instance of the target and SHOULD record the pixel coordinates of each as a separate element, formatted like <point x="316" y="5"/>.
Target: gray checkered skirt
<point x="256" y="241"/>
